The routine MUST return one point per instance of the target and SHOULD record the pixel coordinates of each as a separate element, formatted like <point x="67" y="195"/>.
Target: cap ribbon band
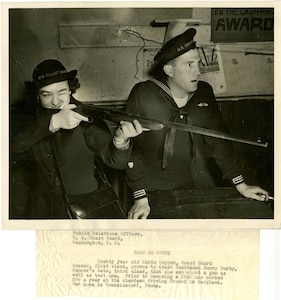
<point x="184" y="46"/>
<point x="47" y="75"/>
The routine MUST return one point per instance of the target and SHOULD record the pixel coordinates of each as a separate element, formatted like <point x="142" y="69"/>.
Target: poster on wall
<point x="212" y="68"/>
<point x="242" y="25"/>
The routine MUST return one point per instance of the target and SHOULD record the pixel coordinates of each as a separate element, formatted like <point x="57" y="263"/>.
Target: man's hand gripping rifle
<point x="104" y="113"/>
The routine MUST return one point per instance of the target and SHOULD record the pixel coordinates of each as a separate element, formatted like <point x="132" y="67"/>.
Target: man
<point x="64" y="144"/>
<point x="162" y="160"/>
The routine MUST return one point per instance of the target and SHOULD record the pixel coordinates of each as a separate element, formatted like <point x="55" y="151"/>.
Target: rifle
<point x="99" y="112"/>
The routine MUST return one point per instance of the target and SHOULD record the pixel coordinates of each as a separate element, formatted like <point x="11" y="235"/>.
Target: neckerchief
<point x="168" y="149"/>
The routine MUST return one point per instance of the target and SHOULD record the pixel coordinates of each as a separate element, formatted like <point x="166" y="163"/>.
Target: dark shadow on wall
<point x="25" y="49"/>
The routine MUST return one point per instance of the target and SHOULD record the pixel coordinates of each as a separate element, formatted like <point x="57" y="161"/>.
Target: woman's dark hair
<point x="74" y="85"/>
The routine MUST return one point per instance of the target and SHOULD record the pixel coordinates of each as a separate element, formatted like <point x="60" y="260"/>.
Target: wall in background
<point x="107" y="73"/>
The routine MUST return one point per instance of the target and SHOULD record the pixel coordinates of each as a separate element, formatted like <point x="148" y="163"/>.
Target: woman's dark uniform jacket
<point x="65" y="160"/>
<point x="146" y="169"/>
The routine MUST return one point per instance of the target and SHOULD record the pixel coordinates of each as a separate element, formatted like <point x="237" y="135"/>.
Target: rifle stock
<point x="94" y="111"/>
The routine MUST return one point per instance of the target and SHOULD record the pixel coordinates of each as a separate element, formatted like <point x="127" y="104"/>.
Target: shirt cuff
<point x="121" y="144"/>
<point x="238" y="179"/>
<point x="140" y="194"/>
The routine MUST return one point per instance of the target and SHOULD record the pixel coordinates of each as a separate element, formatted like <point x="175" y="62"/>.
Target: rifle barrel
<point x="155" y="124"/>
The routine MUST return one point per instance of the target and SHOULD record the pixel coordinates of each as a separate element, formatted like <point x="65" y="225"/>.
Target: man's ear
<point x="168" y="69"/>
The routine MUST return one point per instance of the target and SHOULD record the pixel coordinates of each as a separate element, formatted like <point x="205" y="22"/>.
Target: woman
<point x="64" y="144"/>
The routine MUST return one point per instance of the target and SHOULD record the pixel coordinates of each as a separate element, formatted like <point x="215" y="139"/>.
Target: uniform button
<point x="182" y="117"/>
